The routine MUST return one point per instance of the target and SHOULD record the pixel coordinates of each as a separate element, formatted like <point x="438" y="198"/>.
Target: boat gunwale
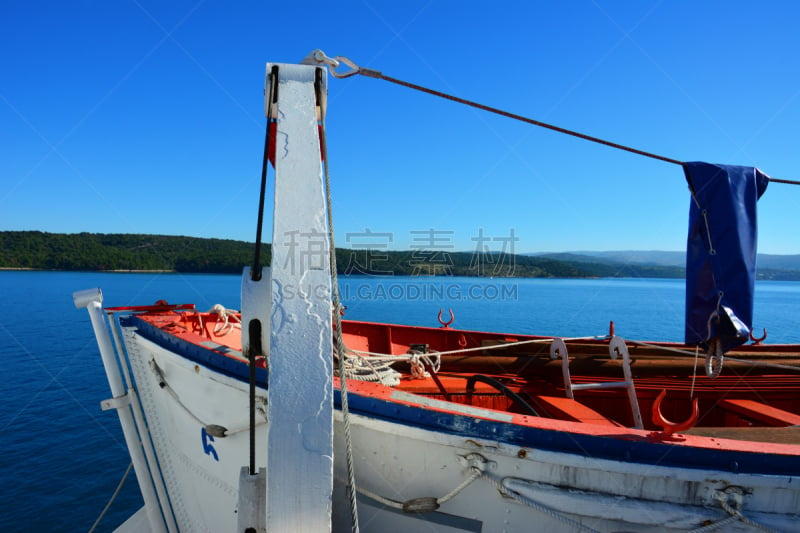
<point x="586" y="439"/>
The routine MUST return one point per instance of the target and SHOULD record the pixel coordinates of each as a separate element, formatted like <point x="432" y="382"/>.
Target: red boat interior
<point x="756" y="397"/>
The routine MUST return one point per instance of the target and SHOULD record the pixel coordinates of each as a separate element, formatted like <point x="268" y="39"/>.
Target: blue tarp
<point x="721" y="252"/>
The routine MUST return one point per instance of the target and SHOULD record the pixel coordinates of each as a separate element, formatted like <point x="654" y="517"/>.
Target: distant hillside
<point x="638" y="257"/>
<point x="108" y="252"/>
<point x="770" y="266"/>
<point x="124" y="252"/>
<point x="114" y="252"/>
<point x="635" y="257"/>
<point x="779" y="262"/>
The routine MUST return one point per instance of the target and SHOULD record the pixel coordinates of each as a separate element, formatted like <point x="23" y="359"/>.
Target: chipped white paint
<point x="300" y="392"/>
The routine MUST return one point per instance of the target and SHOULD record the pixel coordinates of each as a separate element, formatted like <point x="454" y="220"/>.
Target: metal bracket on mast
<point x="251" y="504"/>
<point x="118" y="402"/>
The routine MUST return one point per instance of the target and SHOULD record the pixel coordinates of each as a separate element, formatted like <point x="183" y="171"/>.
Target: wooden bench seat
<point x="567" y="409"/>
<point x="761" y="412"/>
<point x="784" y="435"/>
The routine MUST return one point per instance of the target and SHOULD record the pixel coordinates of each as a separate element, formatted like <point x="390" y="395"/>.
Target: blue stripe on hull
<point x="625" y="447"/>
<point x="193" y="352"/>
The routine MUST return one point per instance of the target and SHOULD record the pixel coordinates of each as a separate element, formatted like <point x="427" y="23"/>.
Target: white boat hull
<point x="400" y="462"/>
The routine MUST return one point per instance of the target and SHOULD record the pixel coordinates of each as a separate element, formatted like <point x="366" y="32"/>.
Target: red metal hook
<point x="672" y="427"/>
<point x="442" y="322"/>
<point x="462" y="341"/>
<point x="758" y="340"/>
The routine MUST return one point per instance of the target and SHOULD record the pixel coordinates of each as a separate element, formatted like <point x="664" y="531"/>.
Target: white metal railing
<point x="616" y="347"/>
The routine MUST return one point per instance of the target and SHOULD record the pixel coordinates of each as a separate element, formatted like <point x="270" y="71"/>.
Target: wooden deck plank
<point x="568" y="409"/>
<point x="762" y="412"/>
<point x="786" y="435"/>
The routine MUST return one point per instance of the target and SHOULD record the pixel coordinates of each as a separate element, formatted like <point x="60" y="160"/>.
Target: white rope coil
<point x="363" y="365"/>
<point x="734" y="512"/>
<point x="230" y="318"/>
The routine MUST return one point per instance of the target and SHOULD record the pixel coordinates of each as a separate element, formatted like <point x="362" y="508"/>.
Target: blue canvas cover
<point x="721" y="252"/>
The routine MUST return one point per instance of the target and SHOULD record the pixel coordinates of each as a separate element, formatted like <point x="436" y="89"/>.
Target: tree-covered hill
<point x="98" y="251"/>
<point x="108" y="252"/>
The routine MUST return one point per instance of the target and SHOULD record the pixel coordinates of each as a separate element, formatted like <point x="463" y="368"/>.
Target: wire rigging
<point x="339" y="348"/>
<point x="255" y="272"/>
<point x="334" y="63"/>
<point x="379" y="75"/>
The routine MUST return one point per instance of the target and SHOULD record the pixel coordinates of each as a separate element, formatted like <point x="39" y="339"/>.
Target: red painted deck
<point x="745" y="396"/>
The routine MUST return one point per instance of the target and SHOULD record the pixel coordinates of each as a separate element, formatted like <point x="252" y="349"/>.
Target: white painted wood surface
<point x="255" y="305"/>
<point x="300" y="393"/>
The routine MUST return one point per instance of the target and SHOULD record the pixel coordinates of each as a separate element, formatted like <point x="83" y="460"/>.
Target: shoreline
<point x="356" y="276"/>
<point x="116" y="271"/>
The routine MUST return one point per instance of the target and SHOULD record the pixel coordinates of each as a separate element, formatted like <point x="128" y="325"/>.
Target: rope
<point x="113" y="497"/>
<point x="476" y="473"/>
<point x="333" y="63"/>
<point x="226" y="315"/>
<point x="711" y="250"/>
<point x="377" y="497"/>
<point x="498" y="485"/>
<point x="505" y="491"/>
<point x="738" y="514"/>
<point x="480" y="348"/>
<point x="362" y="369"/>
<point x="162" y="383"/>
<point x="715" y="526"/>
<point x="337" y="318"/>
<point x="365" y="368"/>
<point x="419" y="361"/>
<point x="765" y="364"/>
<point x="394" y="504"/>
<point x="737" y="360"/>
<point x="359" y="355"/>
<point x="694" y="371"/>
<point x="735" y="515"/>
<point x="429" y="504"/>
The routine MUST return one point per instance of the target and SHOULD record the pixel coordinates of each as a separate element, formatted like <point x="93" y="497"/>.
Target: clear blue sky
<point x="147" y="116"/>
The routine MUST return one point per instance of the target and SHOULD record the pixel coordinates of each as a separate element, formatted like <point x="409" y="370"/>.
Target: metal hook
<point x="318" y="57"/>
<point x="673" y="427"/>
<point x="354" y="69"/>
<point x="442" y="322"/>
<point x="758" y="340"/>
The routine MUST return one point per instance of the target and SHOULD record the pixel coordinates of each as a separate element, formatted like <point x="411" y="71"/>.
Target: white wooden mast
<point x="300" y="364"/>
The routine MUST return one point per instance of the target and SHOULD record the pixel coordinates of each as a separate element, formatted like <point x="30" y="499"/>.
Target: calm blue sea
<point x="61" y="456"/>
